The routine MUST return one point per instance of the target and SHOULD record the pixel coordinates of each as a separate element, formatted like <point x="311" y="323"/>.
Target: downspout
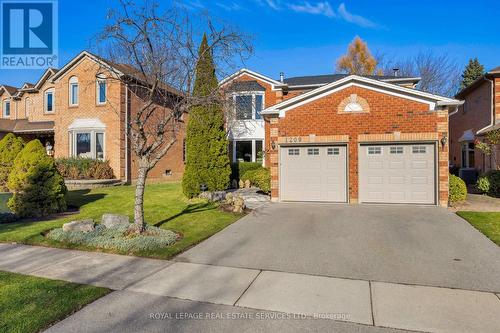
<point x="126" y="133"/>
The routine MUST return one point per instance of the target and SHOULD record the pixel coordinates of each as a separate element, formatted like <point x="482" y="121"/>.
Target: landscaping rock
<point x="238" y="205"/>
<point x="79" y="225"/>
<point x="241" y="184"/>
<point x="247" y="184"/>
<point x="111" y="221"/>
<point x="216" y="196"/>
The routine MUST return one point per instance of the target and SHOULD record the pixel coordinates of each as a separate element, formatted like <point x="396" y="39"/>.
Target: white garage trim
<point x="283" y="148"/>
<point x="386" y="147"/>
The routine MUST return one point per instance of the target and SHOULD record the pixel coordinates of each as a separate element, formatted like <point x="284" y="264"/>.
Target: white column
<point x="234" y="151"/>
<point x="254" y="153"/>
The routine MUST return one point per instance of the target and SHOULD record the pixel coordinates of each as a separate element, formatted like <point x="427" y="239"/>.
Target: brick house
<point x="347" y="138"/>
<point x="479" y="115"/>
<point x="82" y="111"/>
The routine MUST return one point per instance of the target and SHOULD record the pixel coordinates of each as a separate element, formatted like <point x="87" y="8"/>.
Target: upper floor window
<point x="49" y="101"/>
<point x="248" y="105"/>
<point x="101" y="90"/>
<point x="73" y="91"/>
<point x="6" y="109"/>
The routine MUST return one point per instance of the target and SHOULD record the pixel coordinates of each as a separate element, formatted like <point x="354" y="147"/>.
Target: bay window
<point x="248" y="105"/>
<point x="87" y="144"/>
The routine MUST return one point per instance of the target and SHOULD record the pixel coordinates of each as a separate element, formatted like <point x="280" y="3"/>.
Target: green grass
<point x="487" y="223"/>
<point x="31" y="304"/>
<point x="164" y="206"/>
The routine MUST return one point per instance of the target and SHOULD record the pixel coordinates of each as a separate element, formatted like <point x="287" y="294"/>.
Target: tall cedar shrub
<point x="10" y="146"/>
<point x="472" y="71"/>
<point x="206" y="144"/>
<point x="38" y="187"/>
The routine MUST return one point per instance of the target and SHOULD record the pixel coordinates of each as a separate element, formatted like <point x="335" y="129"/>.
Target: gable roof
<point x="9" y="89"/>
<point x="364" y="82"/>
<point x="245" y="71"/>
<point x="318" y="80"/>
<point x="495" y="72"/>
<point x="245" y="86"/>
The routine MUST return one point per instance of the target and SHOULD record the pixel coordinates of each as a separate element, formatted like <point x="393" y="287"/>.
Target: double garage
<point x="387" y="173"/>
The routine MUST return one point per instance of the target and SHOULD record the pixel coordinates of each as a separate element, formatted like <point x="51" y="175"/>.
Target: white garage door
<point x="313" y="173"/>
<point x="397" y="173"/>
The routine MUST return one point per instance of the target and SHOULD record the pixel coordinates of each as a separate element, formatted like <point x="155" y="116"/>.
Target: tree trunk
<point x="140" y="224"/>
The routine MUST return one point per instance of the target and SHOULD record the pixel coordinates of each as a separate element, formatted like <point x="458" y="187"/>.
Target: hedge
<point x="458" y="190"/>
<point x="260" y="178"/>
<point x="84" y="168"/>
<point x="10" y="146"/>
<point x="239" y="169"/>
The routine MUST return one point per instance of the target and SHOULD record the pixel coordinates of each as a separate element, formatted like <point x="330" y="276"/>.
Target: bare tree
<point x="155" y="55"/>
<point x="439" y="73"/>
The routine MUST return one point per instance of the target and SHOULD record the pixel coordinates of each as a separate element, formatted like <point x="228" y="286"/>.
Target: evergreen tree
<point x="472" y="71"/>
<point x="38" y="187"/>
<point x="207" y="159"/>
<point x="10" y="146"/>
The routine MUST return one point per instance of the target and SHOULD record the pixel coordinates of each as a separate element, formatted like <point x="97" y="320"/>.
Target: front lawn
<point x="31" y="304"/>
<point x="164" y="205"/>
<point x="487" y="223"/>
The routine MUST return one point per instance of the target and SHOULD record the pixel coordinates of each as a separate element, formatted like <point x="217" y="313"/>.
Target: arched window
<point x="48" y="103"/>
<point x="101" y="90"/>
<point x="73" y="91"/>
<point x="27" y="106"/>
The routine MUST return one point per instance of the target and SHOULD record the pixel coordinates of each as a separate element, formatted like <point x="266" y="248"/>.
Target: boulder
<point x="238" y="205"/>
<point x="216" y="196"/>
<point x="241" y="184"/>
<point x="247" y="184"/>
<point x="79" y="225"/>
<point x="111" y="221"/>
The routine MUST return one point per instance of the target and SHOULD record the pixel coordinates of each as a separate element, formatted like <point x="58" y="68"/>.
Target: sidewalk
<point x="155" y="285"/>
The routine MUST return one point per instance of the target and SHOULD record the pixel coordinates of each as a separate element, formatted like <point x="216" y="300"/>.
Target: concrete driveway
<point x="401" y="244"/>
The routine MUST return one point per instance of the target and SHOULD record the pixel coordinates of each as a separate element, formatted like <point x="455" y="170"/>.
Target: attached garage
<point x="397" y="173"/>
<point x="313" y="173"/>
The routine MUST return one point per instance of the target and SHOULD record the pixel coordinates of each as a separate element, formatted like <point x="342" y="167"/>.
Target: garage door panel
<point x="315" y="173"/>
<point x="397" y="173"/>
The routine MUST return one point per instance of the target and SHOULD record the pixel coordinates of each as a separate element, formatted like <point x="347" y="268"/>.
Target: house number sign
<point x="293" y="139"/>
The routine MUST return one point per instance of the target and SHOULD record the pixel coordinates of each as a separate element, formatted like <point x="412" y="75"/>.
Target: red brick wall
<point x="474" y="115"/>
<point x="388" y="114"/>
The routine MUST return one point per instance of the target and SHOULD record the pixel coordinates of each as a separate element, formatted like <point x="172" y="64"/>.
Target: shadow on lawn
<point x="190" y="209"/>
<point x="79" y="198"/>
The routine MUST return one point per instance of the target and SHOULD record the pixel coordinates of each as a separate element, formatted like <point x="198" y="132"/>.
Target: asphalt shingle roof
<point x="325" y="79"/>
<point x="246" y="86"/>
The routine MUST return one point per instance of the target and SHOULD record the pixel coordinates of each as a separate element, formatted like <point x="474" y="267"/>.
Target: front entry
<point x="313" y="173"/>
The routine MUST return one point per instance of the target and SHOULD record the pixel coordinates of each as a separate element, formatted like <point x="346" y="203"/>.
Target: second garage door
<point x="313" y="173"/>
<point x="402" y="173"/>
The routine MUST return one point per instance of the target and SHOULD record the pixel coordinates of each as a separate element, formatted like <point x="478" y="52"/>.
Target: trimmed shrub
<point x="10" y="146"/>
<point x="207" y="160"/>
<point x="37" y="185"/>
<point x="239" y="169"/>
<point x="493" y="177"/>
<point x="458" y="190"/>
<point x="483" y="184"/>
<point x="117" y="238"/>
<point x="84" y="168"/>
<point x="260" y="178"/>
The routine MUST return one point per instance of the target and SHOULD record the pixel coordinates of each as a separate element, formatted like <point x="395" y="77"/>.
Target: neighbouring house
<point x="343" y="138"/>
<point x="479" y="115"/>
<point x="81" y="110"/>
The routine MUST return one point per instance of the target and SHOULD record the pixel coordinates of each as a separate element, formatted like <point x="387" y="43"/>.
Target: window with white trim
<point x="6" y="109"/>
<point x="73" y="91"/>
<point x="48" y="101"/>
<point x="374" y="150"/>
<point x="312" y="151"/>
<point x="468" y="158"/>
<point x="419" y="149"/>
<point x="248" y="105"/>
<point x="397" y="150"/>
<point x="333" y="151"/>
<point x="87" y="144"/>
<point x="294" y="151"/>
<point x="101" y="90"/>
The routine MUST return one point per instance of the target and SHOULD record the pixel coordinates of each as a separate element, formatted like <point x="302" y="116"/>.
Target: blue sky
<point x="306" y="37"/>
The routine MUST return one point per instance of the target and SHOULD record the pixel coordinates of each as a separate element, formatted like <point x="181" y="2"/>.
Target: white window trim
<point x="73" y="81"/>
<point x="93" y="132"/>
<point x="467" y="151"/>
<point x="97" y="94"/>
<point x="4" y="105"/>
<point x="254" y="150"/>
<point x="46" y="101"/>
<point x="254" y="112"/>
